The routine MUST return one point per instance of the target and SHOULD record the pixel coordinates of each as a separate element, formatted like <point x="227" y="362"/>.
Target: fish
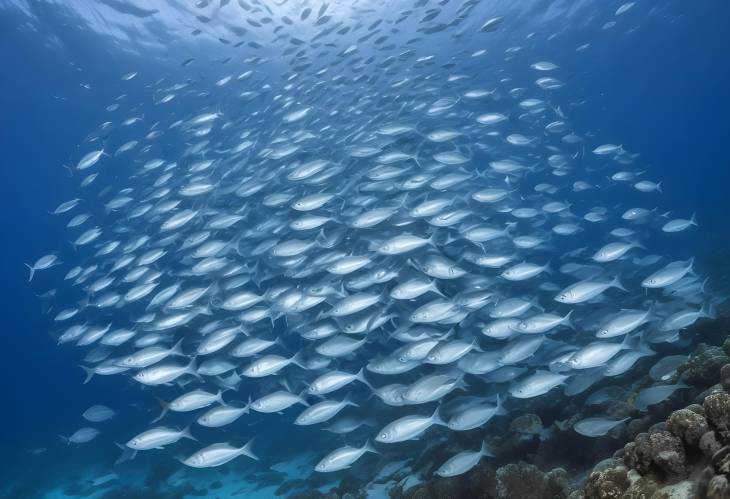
<point x="81" y="436"/>
<point x="666" y="367"/>
<point x="322" y="411"/>
<point x="462" y="462"/>
<point x="408" y="428"/>
<point x="624" y="322"/>
<point x="342" y="458"/>
<point x="536" y="384"/>
<point x="218" y="454"/>
<point x="475" y="416"/>
<point x="679" y="224"/>
<point x="43" y="263"/>
<point x="655" y="394"/>
<point x="89" y="159"/>
<point x="583" y="291"/>
<point x="98" y="414"/>
<point x="596" y="427"/>
<point x="668" y="275"/>
<point x="158" y="438"/>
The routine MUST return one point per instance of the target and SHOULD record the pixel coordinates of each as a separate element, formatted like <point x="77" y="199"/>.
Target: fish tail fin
<point x="361" y="377"/>
<point x="89" y="373"/>
<point x="690" y="266"/>
<point x="302" y="398"/>
<point x="231" y="383"/>
<point x="177" y="348"/>
<point x="693" y="219"/>
<point x="659" y="187"/>
<point x="632" y="342"/>
<point x="535" y="302"/>
<point x="434" y="287"/>
<point x="246" y="450"/>
<point x="645" y="349"/>
<point x="165" y="408"/>
<point x="548" y="267"/>
<point x="432" y="239"/>
<point x="185" y="433"/>
<point x="368" y="447"/>
<point x="297" y="359"/>
<point x="568" y="320"/>
<point x="274" y="317"/>
<point x="615" y="283"/>
<point x="485" y="450"/>
<point x="436" y="417"/>
<point x="348" y="400"/>
<point x="501" y="411"/>
<point x="708" y="311"/>
<point x="127" y="454"/>
<point x="193" y="369"/>
<point x="32" y="271"/>
<point x="65" y="440"/>
<point x="651" y="313"/>
<point x="704" y="284"/>
<point x="461" y="384"/>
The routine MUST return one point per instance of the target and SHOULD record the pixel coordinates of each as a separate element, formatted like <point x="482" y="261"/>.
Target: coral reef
<point x="679" y="448"/>
<point x="688" y="456"/>
<point x="703" y="367"/>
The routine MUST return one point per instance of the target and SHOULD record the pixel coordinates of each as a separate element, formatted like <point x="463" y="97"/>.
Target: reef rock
<point x="526" y="481"/>
<point x="725" y="377"/>
<point x="718" y="488"/>
<point x="657" y="451"/>
<point x="609" y="483"/>
<point x="687" y="425"/>
<point x="717" y="411"/>
<point x="703" y="367"/>
<point x="709" y="444"/>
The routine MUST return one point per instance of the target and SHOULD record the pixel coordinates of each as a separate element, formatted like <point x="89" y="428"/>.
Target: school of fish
<point x="377" y="238"/>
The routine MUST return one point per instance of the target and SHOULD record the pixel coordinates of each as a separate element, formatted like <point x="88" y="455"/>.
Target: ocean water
<point x="655" y="82"/>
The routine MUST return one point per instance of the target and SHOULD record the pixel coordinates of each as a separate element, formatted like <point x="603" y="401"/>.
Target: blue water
<point x="656" y="83"/>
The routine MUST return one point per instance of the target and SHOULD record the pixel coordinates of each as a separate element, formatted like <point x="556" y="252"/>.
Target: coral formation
<point x="688" y="456"/>
<point x="673" y="452"/>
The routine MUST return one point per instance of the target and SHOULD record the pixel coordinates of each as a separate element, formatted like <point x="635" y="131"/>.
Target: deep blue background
<point x="660" y="90"/>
